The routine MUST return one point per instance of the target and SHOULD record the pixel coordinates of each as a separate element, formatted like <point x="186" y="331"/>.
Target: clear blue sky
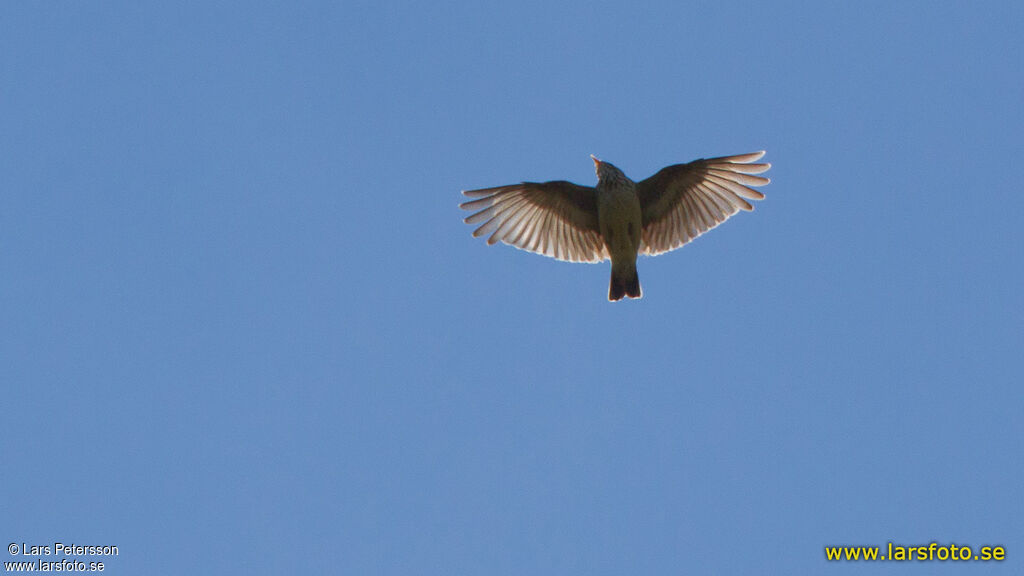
<point x="245" y="329"/>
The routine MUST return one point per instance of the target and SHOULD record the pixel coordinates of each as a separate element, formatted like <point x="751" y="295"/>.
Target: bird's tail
<point x="625" y="282"/>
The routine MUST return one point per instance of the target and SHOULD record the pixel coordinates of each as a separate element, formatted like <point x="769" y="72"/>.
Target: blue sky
<point x="245" y="328"/>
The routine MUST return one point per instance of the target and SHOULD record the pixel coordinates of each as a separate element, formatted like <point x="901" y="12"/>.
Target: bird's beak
<point x="597" y="163"/>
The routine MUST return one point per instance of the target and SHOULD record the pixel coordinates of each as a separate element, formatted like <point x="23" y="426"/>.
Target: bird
<point x="618" y="219"/>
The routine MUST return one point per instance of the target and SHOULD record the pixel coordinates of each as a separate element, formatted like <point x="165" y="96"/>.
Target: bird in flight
<point x="618" y="219"/>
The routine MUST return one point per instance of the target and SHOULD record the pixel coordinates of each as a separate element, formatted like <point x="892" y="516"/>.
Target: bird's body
<point x="618" y="219"/>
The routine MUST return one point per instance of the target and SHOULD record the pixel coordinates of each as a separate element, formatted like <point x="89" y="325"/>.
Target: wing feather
<point x="683" y="201"/>
<point x="557" y="219"/>
<point x="739" y="177"/>
<point x="736" y="187"/>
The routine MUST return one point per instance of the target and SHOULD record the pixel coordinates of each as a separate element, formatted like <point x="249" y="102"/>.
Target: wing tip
<point x="749" y="157"/>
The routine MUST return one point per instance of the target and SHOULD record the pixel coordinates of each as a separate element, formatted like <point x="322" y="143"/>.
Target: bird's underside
<point x="619" y="218"/>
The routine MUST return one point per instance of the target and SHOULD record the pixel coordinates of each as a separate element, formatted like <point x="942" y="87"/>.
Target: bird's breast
<point x="618" y="215"/>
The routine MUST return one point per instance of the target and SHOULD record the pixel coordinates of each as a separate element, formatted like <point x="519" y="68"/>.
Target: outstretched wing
<point x="556" y="219"/>
<point x="683" y="201"/>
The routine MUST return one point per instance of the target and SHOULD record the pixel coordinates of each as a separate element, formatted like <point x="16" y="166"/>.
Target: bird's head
<point x="606" y="172"/>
